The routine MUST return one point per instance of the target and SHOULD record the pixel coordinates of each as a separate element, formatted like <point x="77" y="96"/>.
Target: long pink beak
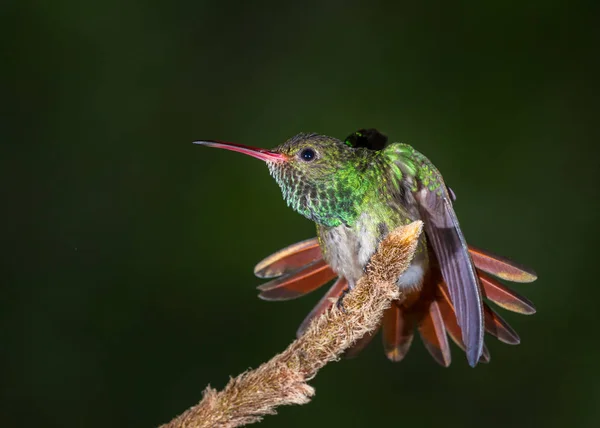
<point x="262" y="154"/>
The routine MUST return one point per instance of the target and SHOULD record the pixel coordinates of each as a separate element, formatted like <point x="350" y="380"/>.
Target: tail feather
<point x="397" y="332"/>
<point x="500" y="266"/>
<point x="494" y="323"/>
<point x="289" y="259"/>
<point x="298" y="283"/>
<point x="452" y="328"/>
<point x="504" y="296"/>
<point x="497" y="327"/>
<point x="334" y="293"/>
<point x="485" y="355"/>
<point x="433" y="334"/>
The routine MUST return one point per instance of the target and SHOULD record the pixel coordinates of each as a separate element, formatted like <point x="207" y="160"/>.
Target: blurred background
<point x="127" y="252"/>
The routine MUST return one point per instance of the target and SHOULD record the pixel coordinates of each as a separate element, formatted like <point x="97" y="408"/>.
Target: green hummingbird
<point x="357" y="191"/>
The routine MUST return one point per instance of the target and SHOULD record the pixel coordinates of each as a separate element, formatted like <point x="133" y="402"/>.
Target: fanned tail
<point x="307" y="253"/>
<point x="299" y="269"/>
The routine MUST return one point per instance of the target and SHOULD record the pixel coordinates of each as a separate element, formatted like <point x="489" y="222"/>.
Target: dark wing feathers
<point x="447" y="241"/>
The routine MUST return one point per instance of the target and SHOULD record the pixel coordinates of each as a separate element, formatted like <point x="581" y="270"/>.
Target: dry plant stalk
<point x="282" y="380"/>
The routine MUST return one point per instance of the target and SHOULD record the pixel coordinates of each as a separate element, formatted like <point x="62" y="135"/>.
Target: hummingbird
<point x="358" y="190"/>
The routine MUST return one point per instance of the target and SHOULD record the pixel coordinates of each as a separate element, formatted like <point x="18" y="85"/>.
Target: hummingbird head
<point x="320" y="177"/>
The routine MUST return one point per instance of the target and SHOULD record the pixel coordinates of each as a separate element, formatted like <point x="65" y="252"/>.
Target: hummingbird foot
<point x="340" y="301"/>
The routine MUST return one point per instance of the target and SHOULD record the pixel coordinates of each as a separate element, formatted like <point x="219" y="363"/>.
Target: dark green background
<point x="127" y="259"/>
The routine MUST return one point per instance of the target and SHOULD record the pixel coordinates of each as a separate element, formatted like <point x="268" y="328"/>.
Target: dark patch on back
<point x="370" y="139"/>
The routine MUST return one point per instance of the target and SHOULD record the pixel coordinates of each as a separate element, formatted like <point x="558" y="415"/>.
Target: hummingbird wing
<point x="450" y="247"/>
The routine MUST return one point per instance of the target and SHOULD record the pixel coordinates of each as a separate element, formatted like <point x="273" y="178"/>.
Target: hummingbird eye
<point x="307" y="155"/>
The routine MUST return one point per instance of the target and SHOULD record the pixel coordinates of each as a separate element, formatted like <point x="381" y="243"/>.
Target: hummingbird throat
<point x="329" y="198"/>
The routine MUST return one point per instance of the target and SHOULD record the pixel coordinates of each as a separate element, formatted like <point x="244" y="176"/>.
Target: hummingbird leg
<point x="340" y="301"/>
